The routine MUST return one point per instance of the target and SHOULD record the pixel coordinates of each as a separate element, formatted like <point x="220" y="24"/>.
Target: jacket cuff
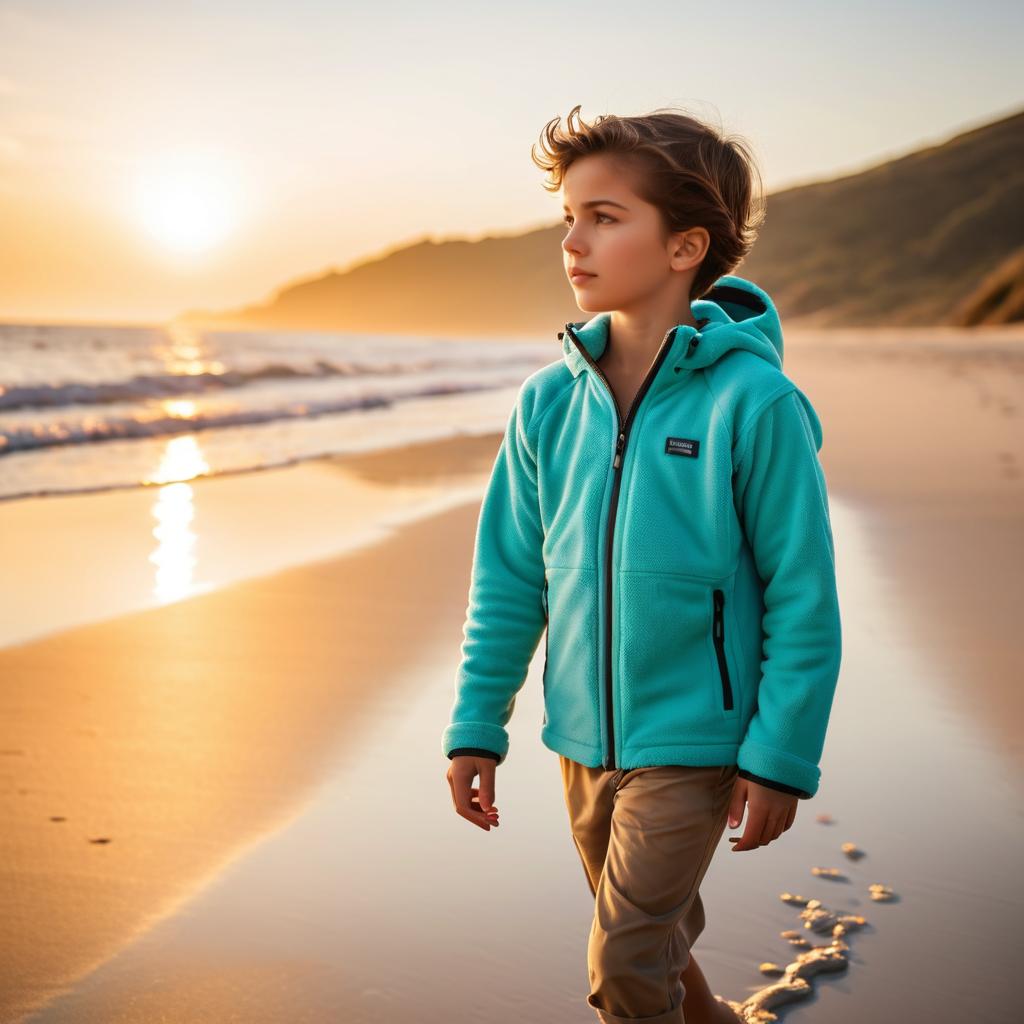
<point x="779" y="766"/>
<point x="477" y="735"/>
<point x="772" y="784"/>
<point x="473" y="752"/>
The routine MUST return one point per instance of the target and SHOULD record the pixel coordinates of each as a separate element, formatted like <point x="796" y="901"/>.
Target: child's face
<point x="623" y="243"/>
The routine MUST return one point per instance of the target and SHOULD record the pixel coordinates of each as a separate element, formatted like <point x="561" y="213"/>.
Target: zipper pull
<point x="618" y="451"/>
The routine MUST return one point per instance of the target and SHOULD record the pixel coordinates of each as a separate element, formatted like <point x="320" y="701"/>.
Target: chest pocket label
<point x="682" y="446"/>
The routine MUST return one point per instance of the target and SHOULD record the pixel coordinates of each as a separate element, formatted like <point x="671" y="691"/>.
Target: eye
<point x="567" y="219"/>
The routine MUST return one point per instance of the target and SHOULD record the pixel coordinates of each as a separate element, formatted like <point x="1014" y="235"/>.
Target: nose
<point x="569" y="243"/>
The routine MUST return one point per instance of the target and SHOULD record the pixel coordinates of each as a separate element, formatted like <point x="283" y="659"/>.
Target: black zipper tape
<point x="620" y="445"/>
<point x="718" y="634"/>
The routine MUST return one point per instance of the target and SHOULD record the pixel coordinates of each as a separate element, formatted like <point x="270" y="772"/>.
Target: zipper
<point x="623" y="427"/>
<point x="544" y="677"/>
<point x="718" y="634"/>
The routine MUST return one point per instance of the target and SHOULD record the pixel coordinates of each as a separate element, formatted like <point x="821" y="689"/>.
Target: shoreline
<point x="136" y="548"/>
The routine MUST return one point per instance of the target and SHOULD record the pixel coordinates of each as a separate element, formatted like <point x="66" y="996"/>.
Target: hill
<point x="933" y="237"/>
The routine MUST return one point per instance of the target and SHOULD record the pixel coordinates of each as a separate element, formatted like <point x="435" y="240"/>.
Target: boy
<point x="657" y="505"/>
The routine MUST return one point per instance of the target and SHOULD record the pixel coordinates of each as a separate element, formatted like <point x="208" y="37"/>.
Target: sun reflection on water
<point x="174" y="512"/>
<point x="187" y="352"/>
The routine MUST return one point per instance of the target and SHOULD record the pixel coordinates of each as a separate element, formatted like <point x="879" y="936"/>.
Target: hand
<point x="474" y="804"/>
<point x="770" y="813"/>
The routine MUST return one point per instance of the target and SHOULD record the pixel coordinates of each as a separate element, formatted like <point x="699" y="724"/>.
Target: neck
<point x="635" y="338"/>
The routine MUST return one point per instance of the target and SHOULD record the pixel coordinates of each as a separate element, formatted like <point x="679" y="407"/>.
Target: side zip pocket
<point x="718" y="635"/>
<point x="544" y="678"/>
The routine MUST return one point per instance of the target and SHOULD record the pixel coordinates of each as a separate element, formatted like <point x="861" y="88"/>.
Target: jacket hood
<point x="734" y="314"/>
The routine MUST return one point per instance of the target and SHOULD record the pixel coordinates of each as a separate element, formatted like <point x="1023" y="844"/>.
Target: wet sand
<point x="925" y="436"/>
<point x="141" y="754"/>
<point x="263" y="760"/>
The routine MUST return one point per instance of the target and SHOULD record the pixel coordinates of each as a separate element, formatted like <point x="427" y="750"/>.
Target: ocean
<point x="85" y="408"/>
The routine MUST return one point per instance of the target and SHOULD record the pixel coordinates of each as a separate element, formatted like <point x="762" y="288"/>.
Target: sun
<point x="187" y="201"/>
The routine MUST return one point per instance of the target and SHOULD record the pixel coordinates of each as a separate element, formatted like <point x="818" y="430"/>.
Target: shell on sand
<point x="793" y="985"/>
<point x="852" y="851"/>
<point x="824" y="818"/>
<point x="881" y="893"/>
<point x="848" y="923"/>
<point x="833" y="873"/>
<point x="818" y="918"/>
<point x="792" y="897"/>
<point x="757" y="1009"/>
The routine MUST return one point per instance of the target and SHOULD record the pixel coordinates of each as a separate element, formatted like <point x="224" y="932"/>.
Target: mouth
<point x="580" y="275"/>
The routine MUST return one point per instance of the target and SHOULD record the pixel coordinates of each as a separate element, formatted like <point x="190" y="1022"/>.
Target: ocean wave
<point x="177" y="385"/>
<point x="157" y="422"/>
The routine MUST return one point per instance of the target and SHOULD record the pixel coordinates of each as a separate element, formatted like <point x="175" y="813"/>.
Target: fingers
<point x="486" y="771"/>
<point x="737" y="802"/>
<point x="751" y="838"/>
<point x="465" y="796"/>
<point x="772" y="827"/>
<point x="768" y="816"/>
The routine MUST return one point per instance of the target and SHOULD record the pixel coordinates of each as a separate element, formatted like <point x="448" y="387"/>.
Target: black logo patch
<point x="682" y="446"/>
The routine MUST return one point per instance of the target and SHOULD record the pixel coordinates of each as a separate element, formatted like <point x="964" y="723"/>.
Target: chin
<point x="589" y="304"/>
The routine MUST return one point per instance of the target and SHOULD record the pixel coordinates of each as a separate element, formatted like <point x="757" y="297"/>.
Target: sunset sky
<point x="156" y="157"/>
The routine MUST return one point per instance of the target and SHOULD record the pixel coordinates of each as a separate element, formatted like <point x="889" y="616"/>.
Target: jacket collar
<point x="734" y="313"/>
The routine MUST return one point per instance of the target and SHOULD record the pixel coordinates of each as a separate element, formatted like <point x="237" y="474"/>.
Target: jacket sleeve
<point x="782" y="502"/>
<point x="505" y="616"/>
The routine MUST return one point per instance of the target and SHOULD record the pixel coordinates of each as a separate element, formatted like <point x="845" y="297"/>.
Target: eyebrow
<point x="597" y="202"/>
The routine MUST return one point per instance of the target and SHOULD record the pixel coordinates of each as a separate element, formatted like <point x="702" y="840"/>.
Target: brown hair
<point x="696" y="175"/>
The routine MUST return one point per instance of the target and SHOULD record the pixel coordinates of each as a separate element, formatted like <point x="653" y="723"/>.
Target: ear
<point x="688" y="248"/>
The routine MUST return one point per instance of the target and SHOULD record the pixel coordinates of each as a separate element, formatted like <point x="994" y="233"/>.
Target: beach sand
<point x="926" y="436"/>
<point x="167" y="739"/>
<point x="142" y="755"/>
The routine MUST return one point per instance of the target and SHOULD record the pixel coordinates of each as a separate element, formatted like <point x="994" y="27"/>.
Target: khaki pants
<point x="646" y="837"/>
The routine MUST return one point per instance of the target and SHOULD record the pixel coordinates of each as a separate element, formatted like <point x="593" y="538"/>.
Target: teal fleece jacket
<point x="679" y="558"/>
